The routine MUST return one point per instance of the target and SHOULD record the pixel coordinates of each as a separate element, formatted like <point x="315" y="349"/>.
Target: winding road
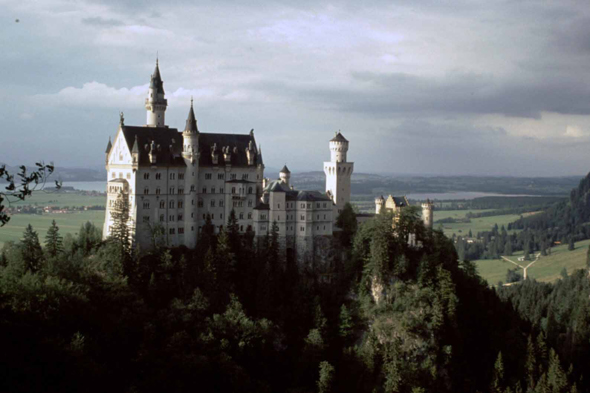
<point x="524" y="268"/>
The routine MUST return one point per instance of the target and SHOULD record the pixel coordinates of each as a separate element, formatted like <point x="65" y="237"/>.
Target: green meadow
<point x="67" y="223"/>
<point x="547" y="269"/>
<point x="44" y="198"/>
<point x="476" y="225"/>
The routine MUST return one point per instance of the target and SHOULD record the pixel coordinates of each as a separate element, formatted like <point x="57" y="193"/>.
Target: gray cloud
<point x="98" y="21"/>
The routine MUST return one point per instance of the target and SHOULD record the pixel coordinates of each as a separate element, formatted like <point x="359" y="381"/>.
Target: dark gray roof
<point x="400" y="201"/>
<point x="156" y="81"/>
<point x="191" y="121"/>
<point x="277" y="187"/>
<point x="239" y="141"/>
<point x="109" y="146"/>
<point x="285" y="169"/>
<point x="240" y="181"/>
<point x="262" y="206"/>
<point x="338" y="138"/>
<point x="168" y="142"/>
<point x="312" y="196"/>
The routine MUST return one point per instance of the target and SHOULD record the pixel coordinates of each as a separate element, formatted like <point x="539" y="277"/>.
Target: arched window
<point x="162" y="204"/>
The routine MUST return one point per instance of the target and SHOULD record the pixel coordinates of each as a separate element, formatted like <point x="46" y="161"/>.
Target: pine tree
<point x="31" y="250"/>
<point x="53" y="240"/>
<point x="326" y="377"/>
<point x="498" y="379"/>
<point x="346" y="326"/>
<point x="571" y="245"/>
<point x="347" y="222"/>
<point x="588" y="258"/>
<point x="556" y="377"/>
<point x="508" y="248"/>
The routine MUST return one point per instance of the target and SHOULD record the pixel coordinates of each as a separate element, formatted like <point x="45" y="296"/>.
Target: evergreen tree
<point x="508" y="248"/>
<point x="498" y="379"/>
<point x="326" y="377"/>
<point x="53" y="240"/>
<point x="346" y="327"/>
<point x="31" y="251"/>
<point x="588" y="258"/>
<point x="233" y="232"/>
<point x="571" y="245"/>
<point x="347" y="222"/>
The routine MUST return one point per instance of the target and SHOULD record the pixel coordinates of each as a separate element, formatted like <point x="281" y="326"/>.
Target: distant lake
<point x="100" y="186"/>
<point x="461" y="195"/>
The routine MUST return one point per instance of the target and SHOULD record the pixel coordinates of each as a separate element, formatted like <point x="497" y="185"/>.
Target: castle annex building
<point x="172" y="180"/>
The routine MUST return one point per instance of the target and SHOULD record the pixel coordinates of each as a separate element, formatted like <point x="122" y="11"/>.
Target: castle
<point x="173" y="180"/>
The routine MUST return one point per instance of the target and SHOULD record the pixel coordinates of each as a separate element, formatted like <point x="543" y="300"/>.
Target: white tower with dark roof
<point x="338" y="172"/>
<point x="156" y="103"/>
<point x="285" y="175"/>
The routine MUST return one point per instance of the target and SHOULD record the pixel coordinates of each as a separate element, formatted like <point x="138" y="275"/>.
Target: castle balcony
<point x="239" y="197"/>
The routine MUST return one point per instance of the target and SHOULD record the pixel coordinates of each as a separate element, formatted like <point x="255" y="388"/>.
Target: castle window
<point x="129" y="176"/>
<point x="309" y="205"/>
<point x="193" y="188"/>
<point x="171" y="204"/>
<point x="180" y="204"/>
<point x="249" y="190"/>
<point x="318" y="216"/>
<point x="324" y="205"/>
<point x="232" y="176"/>
<point x="204" y="190"/>
<point x="161" y="218"/>
<point x="192" y="215"/>
<point x="241" y="216"/>
<point x="146" y="191"/>
<point x="220" y="176"/>
<point x="162" y="204"/>
<point x="263" y="228"/>
<point x="221" y="190"/>
<point x="212" y="202"/>
<point x="250" y="203"/>
<point x="171" y="218"/>
<point x="324" y="227"/>
<point x="146" y="219"/>
<point x="193" y="229"/>
<point x="221" y="203"/>
<point x="200" y="204"/>
<point x="241" y="228"/>
<point x="171" y="190"/>
<point x="120" y="175"/>
<point x="113" y="175"/>
<point x="317" y="205"/>
<point x="157" y="190"/>
<point x="204" y="217"/>
<point x="301" y="229"/>
<point x="233" y="190"/>
<point x="180" y="217"/>
<point x="245" y="176"/>
<point x="158" y="176"/>
<point x="278" y="205"/>
<point x="212" y="190"/>
<point x="324" y="216"/>
<point x="181" y="191"/>
<point x="303" y="217"/>
<point x="249" y="216"/>
<point x="221" y="216"/>
<point x="172" y="231"/>
<point x="146" y="204"/>
<point x="180" y="177"/>
<point x="208" y="176"/>
<point x="146" y="176"/>
<point x="172" y="176"/>
<point x="303" y="205"/>
<point x="318" y="228"/>
<point x="180" y="231"/>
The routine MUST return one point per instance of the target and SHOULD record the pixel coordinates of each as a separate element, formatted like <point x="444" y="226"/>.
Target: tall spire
<point x="156" y="81"/>
<point x="156" y="102"/>
<point x="191" y="121"/>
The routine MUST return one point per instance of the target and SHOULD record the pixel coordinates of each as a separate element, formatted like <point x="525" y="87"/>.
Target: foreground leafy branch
<point x="22" y="184"/>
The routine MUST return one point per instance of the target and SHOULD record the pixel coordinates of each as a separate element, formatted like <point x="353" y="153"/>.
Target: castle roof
<point x="312" y="196"/>
<point x="191" y="121"/>
<point x="168" y="143"/>
<point x="338" y="138"/>
<point x="156" y="80"/>
<point x="238" y="144"/>
<point x="285" y="169"/>
<point x="109" y="146"/>
<point x="399" y="201"/>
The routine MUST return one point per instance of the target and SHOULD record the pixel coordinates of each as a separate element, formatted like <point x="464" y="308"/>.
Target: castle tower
<point x="338" y="172"/>
<point x="379" y="202"/>
<point x="155" y="103"/>
<point x="427" y="213"/>
<point x="285" y="175"/>
<point x="190" y="153"/>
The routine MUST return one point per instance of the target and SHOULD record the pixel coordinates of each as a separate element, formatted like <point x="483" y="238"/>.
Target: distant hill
<point x="67" y="174"/>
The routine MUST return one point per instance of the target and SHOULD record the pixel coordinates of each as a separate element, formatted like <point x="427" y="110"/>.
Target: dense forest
<point x="397" y="312"/>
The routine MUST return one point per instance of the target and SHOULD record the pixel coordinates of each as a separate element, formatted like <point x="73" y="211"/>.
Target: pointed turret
<point x="191" y="121"/>
<point x="190" y="137"/>
<point x="135" y="153"/>
<point x="156" y="103"/>
<point x="285" y="175"/>
<point x="109" y="146"/>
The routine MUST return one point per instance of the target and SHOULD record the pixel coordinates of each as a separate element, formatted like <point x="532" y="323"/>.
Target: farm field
<point x="546" y="269"/>
<point x="476" y="224"/>
<point x="43" y="198"/>
<point x="67" y="223"/>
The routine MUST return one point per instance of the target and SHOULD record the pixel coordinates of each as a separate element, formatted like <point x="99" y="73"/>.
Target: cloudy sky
<point x="474" y="87"/>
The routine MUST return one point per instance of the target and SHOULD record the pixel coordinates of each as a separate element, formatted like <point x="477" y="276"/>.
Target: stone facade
<point x="174" y="179"/>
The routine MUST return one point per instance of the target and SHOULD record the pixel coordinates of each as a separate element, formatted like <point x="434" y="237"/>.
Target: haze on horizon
<point x="468" y="87"/>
